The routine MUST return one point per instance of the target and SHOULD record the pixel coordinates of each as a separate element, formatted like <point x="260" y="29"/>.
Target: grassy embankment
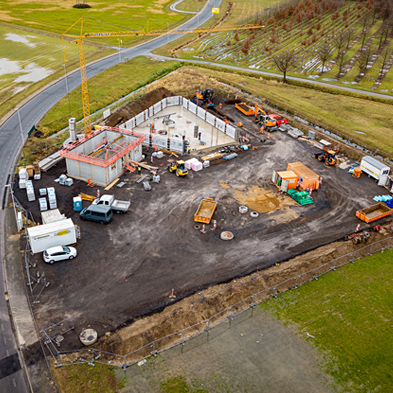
<point x="191" y="5"/>
<point x="123" y="80"/>
<point x="349" y="315"/>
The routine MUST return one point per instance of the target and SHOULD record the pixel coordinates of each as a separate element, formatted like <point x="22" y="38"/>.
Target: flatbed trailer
<point x="205" y="211"/>
<point x="374" y="212"/>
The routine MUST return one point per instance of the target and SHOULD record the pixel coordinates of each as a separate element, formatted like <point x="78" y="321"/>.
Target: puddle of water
<point x="21" y="39"/>
<point x="31" y="73"/>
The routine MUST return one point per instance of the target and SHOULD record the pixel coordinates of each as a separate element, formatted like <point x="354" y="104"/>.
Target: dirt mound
<point x="139" y="105"/>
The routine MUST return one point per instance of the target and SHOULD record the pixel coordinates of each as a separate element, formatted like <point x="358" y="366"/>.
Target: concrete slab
<point x="184" y="125"/>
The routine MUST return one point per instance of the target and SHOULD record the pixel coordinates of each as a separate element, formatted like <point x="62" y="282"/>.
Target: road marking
<point x="5" y="340"/>
<point x="2" y="327"/>
<point x="14" y="382"/>
<point x="7" y="352"/>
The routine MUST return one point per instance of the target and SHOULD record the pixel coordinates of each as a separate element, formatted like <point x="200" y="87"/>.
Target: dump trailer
<point x="374" y="212"/>
<point x="245" y="109"/>
<point x="205" y="211"/>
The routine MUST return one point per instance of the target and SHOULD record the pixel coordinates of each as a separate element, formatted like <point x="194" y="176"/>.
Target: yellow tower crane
<point x="79" y="39"/>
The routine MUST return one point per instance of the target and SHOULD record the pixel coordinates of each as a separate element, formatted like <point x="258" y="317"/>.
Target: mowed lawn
<point x="349" y="313"/>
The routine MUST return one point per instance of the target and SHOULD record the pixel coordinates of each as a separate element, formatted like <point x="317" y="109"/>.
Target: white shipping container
<point x="375" y="169"/>
<point x="59" y="233"/>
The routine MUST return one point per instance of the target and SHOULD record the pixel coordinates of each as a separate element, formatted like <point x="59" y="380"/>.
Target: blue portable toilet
<point x="78" y="204"/>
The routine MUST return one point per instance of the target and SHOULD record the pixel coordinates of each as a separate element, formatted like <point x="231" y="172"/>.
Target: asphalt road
<point x="12" y="133"/>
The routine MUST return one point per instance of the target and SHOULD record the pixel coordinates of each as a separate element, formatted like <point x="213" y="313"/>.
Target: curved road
<point x="12" y="375"/>
<point x="12" y="378"/>
<point x="173" y="8"/>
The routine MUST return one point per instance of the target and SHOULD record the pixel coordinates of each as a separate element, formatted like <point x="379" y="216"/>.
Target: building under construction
<point x="102" y="156"/>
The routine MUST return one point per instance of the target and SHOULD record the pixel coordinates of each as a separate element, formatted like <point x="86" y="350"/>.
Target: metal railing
<point x="181" y="337"/>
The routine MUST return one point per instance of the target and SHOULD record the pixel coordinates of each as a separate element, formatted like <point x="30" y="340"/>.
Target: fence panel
<point x="201" y="113"/>
<point x="172" y="101"/>
<point x="185" y="103"/>
<point x="220" y="125"/>
<point x="192" y="107"/>
<point x="362" y="252"/>
<point x="139" y="119"/>
<point x="163" y="103"/>
<point x="157" y="107"/>
<point x="176" y="145"/>
<point x="130" y="124"/>
<point x="211" y="119"/>
<point x="231" y="131"/>
<point x="151" y="111"/>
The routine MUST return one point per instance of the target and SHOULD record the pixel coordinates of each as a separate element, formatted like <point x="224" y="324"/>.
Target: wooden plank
<point x="142" y="165"/>
<point x="109" y="186"/>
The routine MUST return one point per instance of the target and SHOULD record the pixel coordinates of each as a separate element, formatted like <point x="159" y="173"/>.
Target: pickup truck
<point x="119" y="207"/>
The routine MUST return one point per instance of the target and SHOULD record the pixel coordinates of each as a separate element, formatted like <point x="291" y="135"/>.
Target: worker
<point x="189" y="149"/>
<point x="199" y="135"/>
<point x="262" y="129"/>
<point x="139" y="169"/>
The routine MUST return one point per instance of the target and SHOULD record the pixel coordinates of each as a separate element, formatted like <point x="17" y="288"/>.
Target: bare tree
<point x="324" y="55"/>
<point x="385" y="57"/>
<point x="349" y="35"/>
<point x="341" y="58"/>
<point x="364" y="58"/>
<point x="383" y="34"/>
<point x="339" y="41"/>
<point x="284" y="61"/>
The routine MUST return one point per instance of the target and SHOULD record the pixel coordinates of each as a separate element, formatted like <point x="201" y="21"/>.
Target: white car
<point x="59" y="253"/>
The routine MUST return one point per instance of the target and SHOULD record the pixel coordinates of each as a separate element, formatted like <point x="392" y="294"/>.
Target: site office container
<point x="375" y="169"/>
<point x="307" y="178"/>
<point x="59" y="233"/>
<point x="285" y="180"/>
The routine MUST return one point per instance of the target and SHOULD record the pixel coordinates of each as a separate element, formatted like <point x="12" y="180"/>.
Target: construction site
<point x="249" y="194"/>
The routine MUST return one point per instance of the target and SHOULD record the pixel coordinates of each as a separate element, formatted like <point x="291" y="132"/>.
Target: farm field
<point x="28" y="57"/>
<point x="348" y="315"/>
<point x="356" y="39"/>
<point x="58" y="16"/>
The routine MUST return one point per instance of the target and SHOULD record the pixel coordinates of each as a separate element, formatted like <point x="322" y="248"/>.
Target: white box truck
<point x="59" y="233"/>
<point x="375" y="169"/>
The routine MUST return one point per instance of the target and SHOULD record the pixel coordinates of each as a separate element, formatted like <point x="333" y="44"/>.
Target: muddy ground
<point x="128" y="268"/>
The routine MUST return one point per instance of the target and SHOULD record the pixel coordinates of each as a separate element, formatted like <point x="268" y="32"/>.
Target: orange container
<point x="286" y="180"/>
<point x="307" y="178"/>
<point x="374" y="212"/>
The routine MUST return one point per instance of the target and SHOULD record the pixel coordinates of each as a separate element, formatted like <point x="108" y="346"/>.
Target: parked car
<point x="97" y="213"/>
<point x="59" y="253"/>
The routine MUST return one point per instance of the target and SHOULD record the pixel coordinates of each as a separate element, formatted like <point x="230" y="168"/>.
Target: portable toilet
<point x="285" y="180"/>
<point x="77" y="203"/>
<point x="307" y="178"/>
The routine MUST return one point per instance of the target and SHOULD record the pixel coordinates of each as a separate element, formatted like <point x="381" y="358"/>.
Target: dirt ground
<point x="128" y="268"/>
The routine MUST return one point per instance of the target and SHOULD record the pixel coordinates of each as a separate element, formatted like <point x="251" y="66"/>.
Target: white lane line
<point x="14" y="382"/>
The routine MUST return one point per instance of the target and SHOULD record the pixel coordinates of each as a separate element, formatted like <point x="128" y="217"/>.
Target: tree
<point x="284" y="61"/>
<point x="339" y="41"/>
<point x="385" y="57"/>
<point x="340" y="62"/>
<point x="324" y="55"/>
<point x="383" y="34"/>
<point x="349" y="35"/>
<point x="364" y="58"/>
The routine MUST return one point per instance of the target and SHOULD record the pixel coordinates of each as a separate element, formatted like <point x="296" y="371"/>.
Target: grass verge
<point x="348" y="313"/>
<point x="82" y="378"/>
<point x="191" y="5"/>
<point x="104" y="89"/>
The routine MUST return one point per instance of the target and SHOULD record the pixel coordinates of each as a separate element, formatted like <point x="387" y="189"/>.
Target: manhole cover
<point x="197" y="227"/>
<point x="226" y="235"/>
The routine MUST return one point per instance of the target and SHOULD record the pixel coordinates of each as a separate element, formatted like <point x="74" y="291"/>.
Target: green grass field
<point x="349" y="313"/>
<point x="101" y="93"/>
<point x="191" y="5"/>
<point x="344" y="113"/>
